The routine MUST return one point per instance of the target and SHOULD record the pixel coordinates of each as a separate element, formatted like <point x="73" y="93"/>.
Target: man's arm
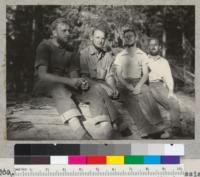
<point x="168" y="79"/>
<point x="145" y="74"/>
<point x="143" y="79"/>
<point x="111" y="81"/>
<point x="44" y="75"/>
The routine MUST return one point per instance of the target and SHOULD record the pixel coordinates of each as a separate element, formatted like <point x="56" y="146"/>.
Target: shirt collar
<point x="125" y="52"/>
<point x="155" y="58"/>
<point x="93" y="50"/>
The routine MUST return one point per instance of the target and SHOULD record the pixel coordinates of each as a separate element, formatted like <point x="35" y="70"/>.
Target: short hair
<point x="57" y="21"/>
<point x="130" y="29"/>
<point x="155" y="39"/>
<point x="100" y="27"/>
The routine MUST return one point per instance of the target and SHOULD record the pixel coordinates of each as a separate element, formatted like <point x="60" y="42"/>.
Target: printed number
<point x="4" y="172"/>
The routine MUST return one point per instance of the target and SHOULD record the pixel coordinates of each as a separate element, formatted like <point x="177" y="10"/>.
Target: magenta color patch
<point x="76" y="160"/>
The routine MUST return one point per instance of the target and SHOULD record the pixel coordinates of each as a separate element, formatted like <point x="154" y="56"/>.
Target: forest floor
<point x="36" y="119"/>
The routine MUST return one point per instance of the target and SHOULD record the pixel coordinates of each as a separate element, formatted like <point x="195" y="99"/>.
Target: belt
<point x="96" y="79"/>
<point x="155" y="81"/>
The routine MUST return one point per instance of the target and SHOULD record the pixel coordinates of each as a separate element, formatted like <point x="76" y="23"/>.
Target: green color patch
<point x="134" y="159"/>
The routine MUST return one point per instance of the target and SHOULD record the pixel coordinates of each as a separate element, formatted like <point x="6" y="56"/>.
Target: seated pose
<point x="96" y="67"/>
<point x="132" y="72"/>
<point x="162" y="84"/>
<point x="54" y="62"/>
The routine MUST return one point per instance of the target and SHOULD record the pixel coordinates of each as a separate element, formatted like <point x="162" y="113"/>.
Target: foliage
<point x="28" y="25"/>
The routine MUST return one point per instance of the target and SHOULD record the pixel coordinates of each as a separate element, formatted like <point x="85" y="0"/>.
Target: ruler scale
<point x="99" y="170"/>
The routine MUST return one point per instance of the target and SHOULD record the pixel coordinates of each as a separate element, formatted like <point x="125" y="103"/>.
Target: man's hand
<point x="85" y="85"/>
<point x="76" y="82"/>
<point x="115" y="93"/>
<point x="172" y="95"/>
<point x="137" y="90"/>
<point x="130" y="87"/>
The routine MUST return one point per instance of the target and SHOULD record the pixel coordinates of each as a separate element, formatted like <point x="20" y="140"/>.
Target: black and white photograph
<point x="100" y="72"/>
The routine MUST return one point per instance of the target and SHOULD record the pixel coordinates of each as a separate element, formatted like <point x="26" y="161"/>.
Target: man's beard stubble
<point x="154" y="53"/>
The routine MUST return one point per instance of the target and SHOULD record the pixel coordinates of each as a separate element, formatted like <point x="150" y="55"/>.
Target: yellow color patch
<point x="115" y="160"/>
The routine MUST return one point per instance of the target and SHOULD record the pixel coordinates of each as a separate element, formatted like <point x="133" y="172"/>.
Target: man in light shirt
<point x="132" y="72"/>
<point x="162" y="84"/>
<point x="96" y="68"/>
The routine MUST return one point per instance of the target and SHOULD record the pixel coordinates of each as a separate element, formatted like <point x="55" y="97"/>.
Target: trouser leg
<point x="68" y="110"/>
<point x="64" y="103"/>
<point x="142" y="110"/>
<point x="160" y="93"/>
<point x="99" y="120"/>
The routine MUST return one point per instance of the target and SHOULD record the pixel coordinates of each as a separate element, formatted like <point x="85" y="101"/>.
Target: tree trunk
<point x="164" y="37"/>
<point x="184" y="57"/>
<point x="32" y="50"/>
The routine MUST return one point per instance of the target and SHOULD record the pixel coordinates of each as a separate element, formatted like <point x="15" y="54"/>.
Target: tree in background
<point x="28" y="25"/>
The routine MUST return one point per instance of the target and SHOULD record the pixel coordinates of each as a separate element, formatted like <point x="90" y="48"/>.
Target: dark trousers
<point x="67" y="100"/>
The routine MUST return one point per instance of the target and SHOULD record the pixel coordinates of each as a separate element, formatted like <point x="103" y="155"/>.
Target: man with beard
<point x="162" y="84"/>
<point x="132" y="71"/>
<point x="96" y="67"/>
<point x="54" y="66"/>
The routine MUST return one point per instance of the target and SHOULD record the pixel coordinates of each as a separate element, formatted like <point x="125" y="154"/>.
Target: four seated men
<point x="83" y="86"/>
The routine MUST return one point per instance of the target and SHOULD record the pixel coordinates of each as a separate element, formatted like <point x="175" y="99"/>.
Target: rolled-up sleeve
<point x="110" y="66"/>
<point x="118" y="61"/>
<point x="42" y="55"/>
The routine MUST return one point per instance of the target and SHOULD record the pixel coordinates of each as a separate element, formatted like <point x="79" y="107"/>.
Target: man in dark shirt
<point x="53" y="62"/>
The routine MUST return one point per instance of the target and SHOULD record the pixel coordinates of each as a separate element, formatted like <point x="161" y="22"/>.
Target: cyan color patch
<point x="151" y="159"/>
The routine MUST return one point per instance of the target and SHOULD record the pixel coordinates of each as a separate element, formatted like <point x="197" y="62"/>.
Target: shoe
<point x="166" y="135"/>
<point x="155" y="135"/>
<point x="144" y="136"/>
<point x="126" y="132"/>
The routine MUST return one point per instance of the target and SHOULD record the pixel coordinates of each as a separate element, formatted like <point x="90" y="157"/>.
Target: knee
<point x="174" y="105"/>
<point x="98" y="89"/>
<point x="145" y="89"/>
<point x="99" y="127"/>
<point x="59" y="92"/>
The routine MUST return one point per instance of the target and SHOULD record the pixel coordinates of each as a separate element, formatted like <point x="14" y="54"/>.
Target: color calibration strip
<point x="99" y="149"/>
<point x="96" y="160"/>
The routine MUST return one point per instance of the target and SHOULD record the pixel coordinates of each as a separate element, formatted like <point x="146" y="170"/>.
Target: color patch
<point x="47" y="149"/>
<point x="59" y="160"/>
<point x="156" y="149"/>
<point x="88" y="149"/>
<point x="22" y="160"/>
<point x="174" y="149"/>
<point x="134" y="159"/>
<point x="139" y="149"/>
<point x="115" y="160"/>
<point x="96" y="160"/>
<point x="170" y="159"/>
<point x="151" y="159"/>
<point x="74" y="160"/>
<point x="22" y="149"/>
<point x="42" y="160"/>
